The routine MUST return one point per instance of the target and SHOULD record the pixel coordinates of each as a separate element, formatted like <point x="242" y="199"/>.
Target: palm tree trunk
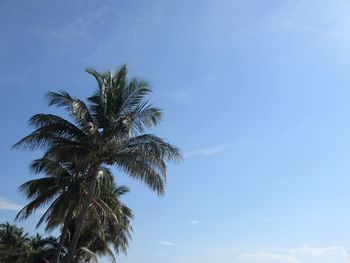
<point x="81" y="217"/>
<point x="64" y="233"/>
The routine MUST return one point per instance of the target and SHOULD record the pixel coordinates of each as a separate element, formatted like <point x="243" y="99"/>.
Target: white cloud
<point x="333" y="254"/>
<point x="267" y="258"/>
<point x="80" y="26"/>
<point x="205" y="151"/>
<point x="321" y="17"/>
<point x="166" y="243"/>
<point x="303" y="254"/>
<point x="194" y="222"/>
<point x="8" y="205"/>
<point x="84" y="27"/>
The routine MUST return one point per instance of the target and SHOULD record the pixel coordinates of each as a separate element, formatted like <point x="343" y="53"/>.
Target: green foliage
<point x="108" y="130"/>
<point x="17" y="247"/>
<point x="67" y="186"/>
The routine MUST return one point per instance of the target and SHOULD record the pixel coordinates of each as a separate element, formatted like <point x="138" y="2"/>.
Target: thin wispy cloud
<point x="178" y="96"/>
<point x="8" y="205"/>
<point x="194" y="222"/>
<point x="263" y="220"/>
<point x="304" y="254"/>
<point x="166" y="243"/>
<point x="66" y="37"/>
<point x="205" y="151"/>
<point x="267" y="258"/>
<point x="329" y="19"/>
<point x="315" y="30"/>
<point x="334" y="254"/>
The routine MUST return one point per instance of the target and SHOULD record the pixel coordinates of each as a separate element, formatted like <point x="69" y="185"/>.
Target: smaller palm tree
<point x="42" y="249"/>
<point x="63" y="188"/>
<point x="109" y="224"/>
<point x="13" y="243"/>
<point x="107" y="228"/>
<point x="17" y="247"/>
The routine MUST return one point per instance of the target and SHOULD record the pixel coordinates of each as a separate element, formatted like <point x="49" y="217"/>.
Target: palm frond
<point x="58" y="210"/>
<point x="105" y="210"/>
<point x="122" y="190"/>
<point x="85" y="253"/>
<point x="146" y="116"/>
<point x="66" y="151"/>
<point x="109" y="253"/>
<point x="37" y="203"/>
<point x="43" y="120"/>
<point x="150" y="146"/>
<point x="143" y="171"/>
<point x="36" y="187"/>
<point x="77" y="109"/>
<point x="50" y="168"/>
<point x="133" y="96"/>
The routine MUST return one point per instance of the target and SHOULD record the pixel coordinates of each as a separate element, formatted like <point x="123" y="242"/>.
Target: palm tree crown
<point x="109" y="130"/>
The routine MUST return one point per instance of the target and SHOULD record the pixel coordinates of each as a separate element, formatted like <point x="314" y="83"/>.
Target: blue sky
<point x="256" y="94"/>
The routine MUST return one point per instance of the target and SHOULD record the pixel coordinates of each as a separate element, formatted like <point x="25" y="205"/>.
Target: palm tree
<point x="115" y="228"/>
<point x="13" y="243"/>
<point x="109" y="131"/>
<point x="64" y="188"/>
<point x="109" y="227"/>
<point x="17" y="246"/>
<point x="41" y="248"/>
